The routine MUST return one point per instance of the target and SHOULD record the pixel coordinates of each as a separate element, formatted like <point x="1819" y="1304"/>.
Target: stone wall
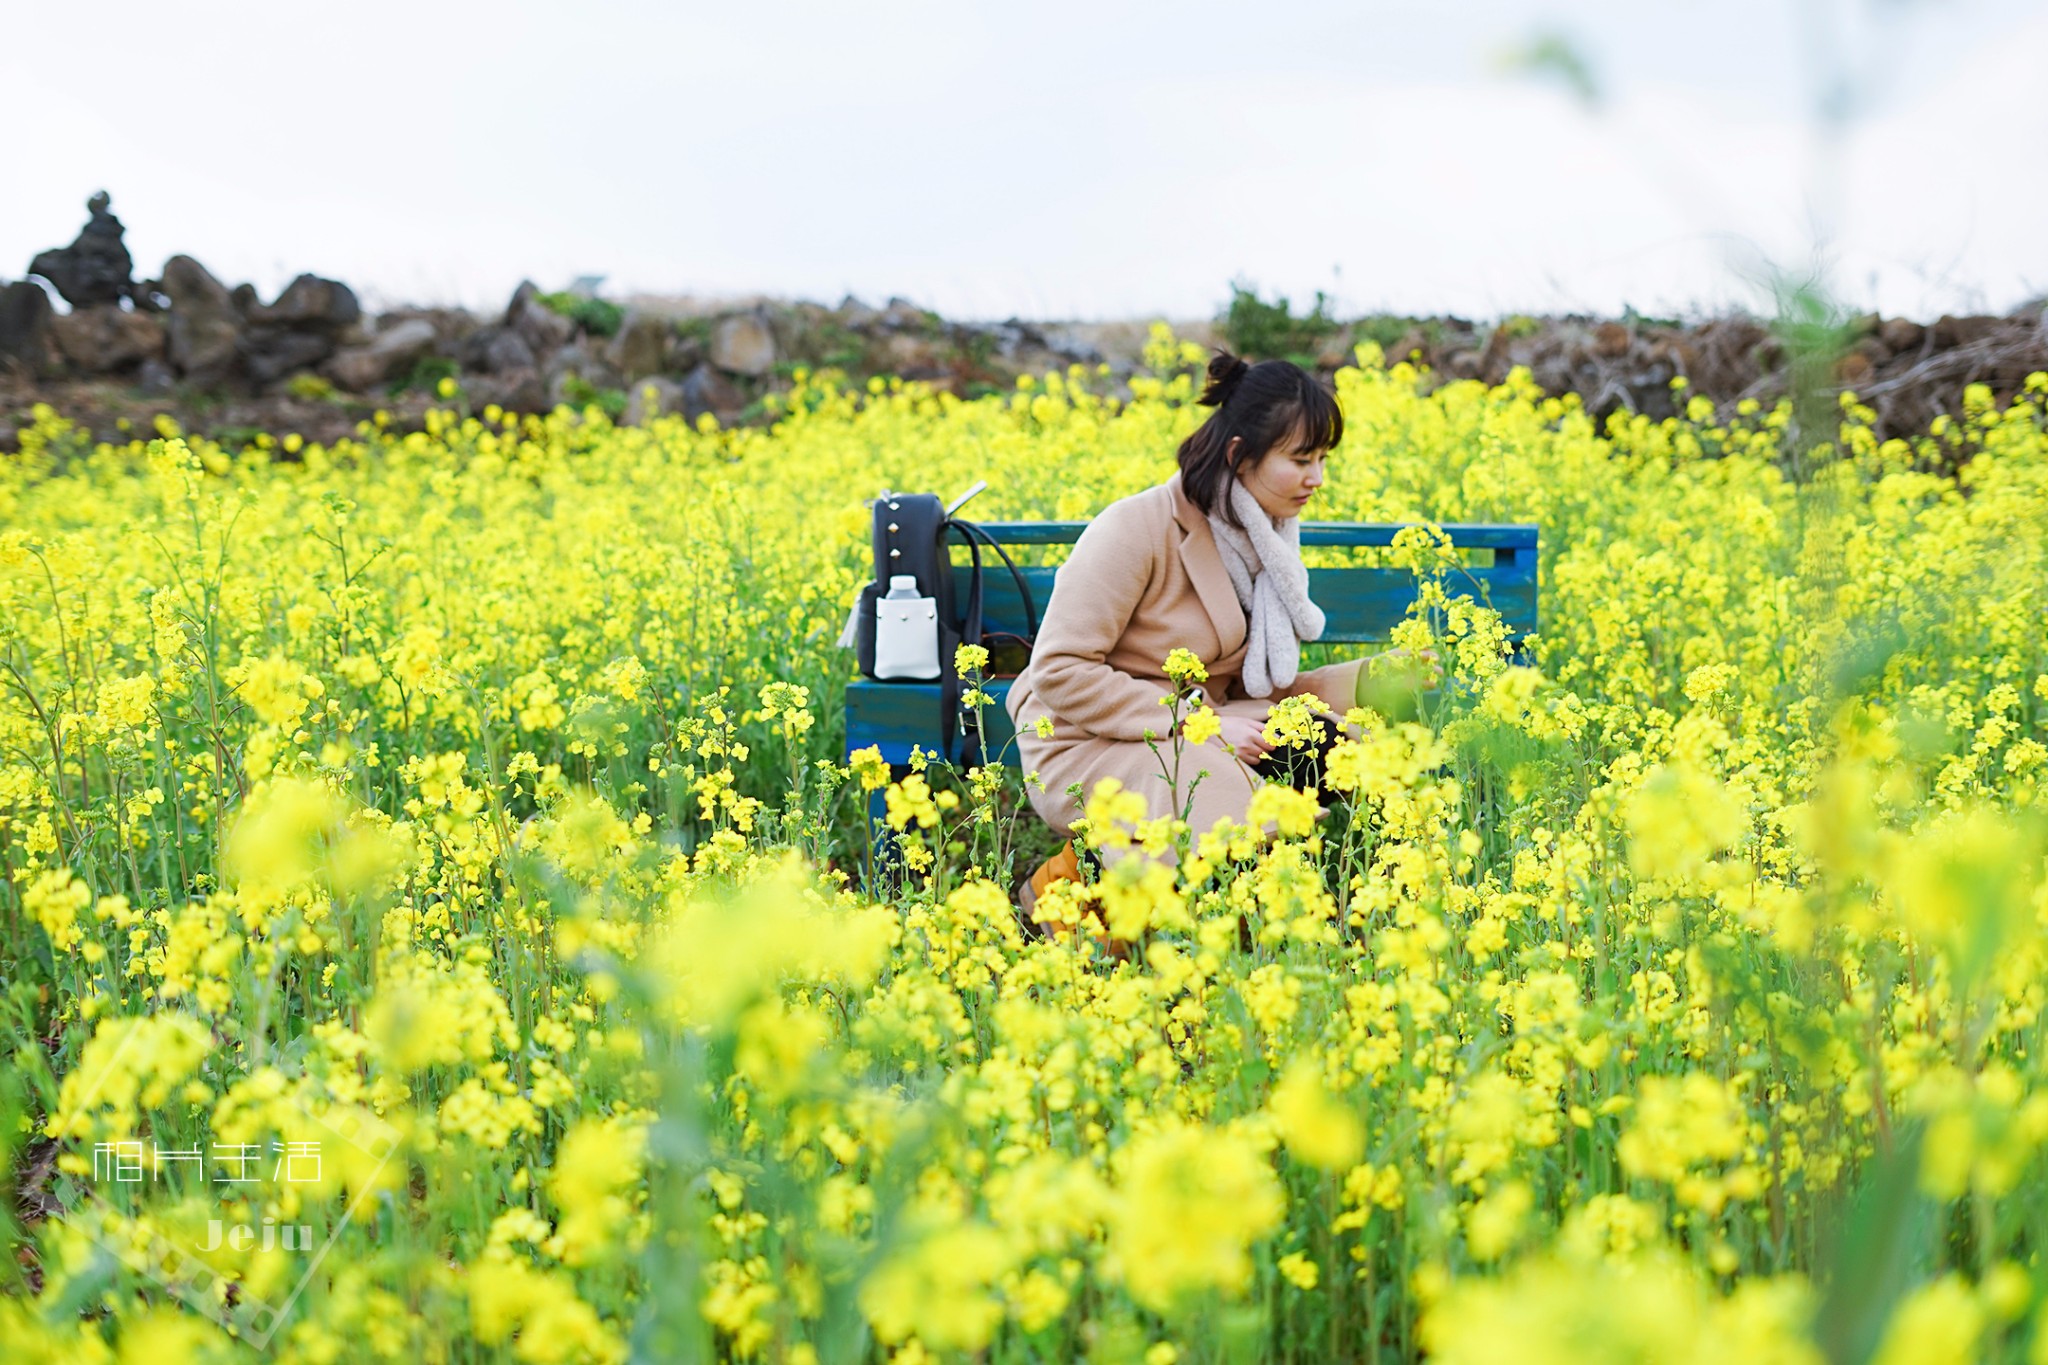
<point x="218" y="357"/>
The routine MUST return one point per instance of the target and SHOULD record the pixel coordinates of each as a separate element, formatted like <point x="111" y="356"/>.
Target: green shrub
<point x="425" y="375"/>
<point x="1386" y="329"/>
<point x="599" y="317"/>
<point x="579" y="392"/>
<point x="1264" y="330"/>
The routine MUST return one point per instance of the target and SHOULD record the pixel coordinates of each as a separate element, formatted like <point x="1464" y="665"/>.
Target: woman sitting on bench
<point x="1210" y="562"/>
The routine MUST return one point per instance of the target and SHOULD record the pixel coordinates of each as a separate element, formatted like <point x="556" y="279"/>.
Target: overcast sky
<point x="1050" y="160"/>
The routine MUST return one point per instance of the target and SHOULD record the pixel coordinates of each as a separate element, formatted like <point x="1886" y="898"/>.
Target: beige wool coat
<point x="1145" y="577"/>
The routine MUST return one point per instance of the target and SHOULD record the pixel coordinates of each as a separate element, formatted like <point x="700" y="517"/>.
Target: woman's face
<point x="1285" y="480"/>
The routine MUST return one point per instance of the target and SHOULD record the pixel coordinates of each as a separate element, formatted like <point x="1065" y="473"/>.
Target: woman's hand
<point x="1246" y="737"/>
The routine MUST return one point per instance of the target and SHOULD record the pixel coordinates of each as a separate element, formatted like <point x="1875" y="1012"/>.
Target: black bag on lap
<point x="1302" y="768"/>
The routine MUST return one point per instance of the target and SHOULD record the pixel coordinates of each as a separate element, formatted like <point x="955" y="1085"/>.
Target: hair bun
<point x="1226" y="372"/>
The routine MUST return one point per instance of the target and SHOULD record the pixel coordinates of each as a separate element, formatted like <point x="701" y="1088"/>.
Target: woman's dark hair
<point x="1267" y="404"/>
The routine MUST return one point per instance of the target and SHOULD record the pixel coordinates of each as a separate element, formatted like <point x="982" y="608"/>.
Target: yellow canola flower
<point x="1200" y="726"/>
<point x="910" y="801"/>
<point x="940" y="1287"/>
<point x="276" y="688"/>
<point x="1937" y="1324"/>
<point x="1291" y="811"/>
<point x="429" y="1013"/>
<point x="539" y="1314"/>
<point x="129" y="1067"/>
<point x="55" y="899"/>
<point x="869" y="768"/>
<point x="504" y="655"/>
<point x="1112" y="812"/>
<point x="1316" y="1127"/>
<point x="1139" y="895"/>
<point x="292" y="832"/>
<point x="1296" y="722"/>
<point x="1679" y="1122"/>
<point x="1298" y="1270"/>
<point x="1559" y="1311"/>
<point x="1970" y="884"/>
<point x="1679" y="819"/>
<point x="720" y="951"/>
<point x="1191" y="1203"/>
<point x="596" y="1173"/>
<point x="1493" y="1224"/>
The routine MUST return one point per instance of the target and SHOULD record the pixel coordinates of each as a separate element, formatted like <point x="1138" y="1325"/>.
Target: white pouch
<point x="906" y="633"/>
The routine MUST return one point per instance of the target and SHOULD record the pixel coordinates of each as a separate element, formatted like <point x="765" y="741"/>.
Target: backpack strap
<point x="975" y="532"/>
<point x="962" y="744"/>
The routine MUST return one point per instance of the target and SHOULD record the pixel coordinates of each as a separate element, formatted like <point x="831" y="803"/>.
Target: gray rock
<point x="156" y="377"/>
<point x="541" y="327"/>
<point x="25" y="315"/>
<point x="573" y="366"/>
<point x="390" y="352"/>
<point x="647" y="399"/>
<point x="639" y="348"/>
<point x="514" y="390"/>
<point x="743" y="344"/>
<point x="104" y="339"/>
<point x="1073" y="344"/>
<point x="1333" y="351"/>
<point x="304" y="325"/>
<point x="912" y="356"/>
<point x="311" y="303"/>
<point x="855" y="315"/>
<point x="452" y="327"/>
<point x="205" y="323"/>
<point x="95" y="268"/>
<point x="269" y="353"/>
<point x="1901" y="334"/>
<point x="247" y="300"/>
<point x="901" y="315"/>
<point x="707" y="390"/>
<point x="526" y="293"/>
<point x="497" y="350"/>
<point x="683" y="352"/>
<point x="405" y="342"/>
<point x="1950" y="331"/>
<point x="573" y="358"/>
<point x="356" y="368"/>
<point x="509" y="351"/>
<point x="564" y="389"/>
<point x="1012" y="337"/>
<point x="792" y="325"/>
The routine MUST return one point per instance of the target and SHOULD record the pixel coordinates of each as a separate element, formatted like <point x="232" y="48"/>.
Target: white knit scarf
<point x="1264" y="563"/>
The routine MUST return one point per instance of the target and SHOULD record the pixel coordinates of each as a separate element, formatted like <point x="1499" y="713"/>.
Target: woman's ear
<point x="1230" y="453"/>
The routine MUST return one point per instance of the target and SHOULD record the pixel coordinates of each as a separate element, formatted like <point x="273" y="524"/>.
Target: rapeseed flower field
<point x="435" y="924"/>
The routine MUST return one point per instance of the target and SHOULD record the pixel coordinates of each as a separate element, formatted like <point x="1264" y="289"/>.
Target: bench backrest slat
<point x="1466" y="535"/>
<point x="1361" y="603"/>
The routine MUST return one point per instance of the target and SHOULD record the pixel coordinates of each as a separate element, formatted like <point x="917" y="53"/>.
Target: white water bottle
<point x="906" y="632"/>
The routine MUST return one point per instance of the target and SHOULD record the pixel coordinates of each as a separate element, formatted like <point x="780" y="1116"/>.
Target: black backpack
<point x="911" y="533"/>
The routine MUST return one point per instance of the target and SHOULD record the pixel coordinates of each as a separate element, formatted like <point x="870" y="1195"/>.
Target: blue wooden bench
<point x="1360" y="604"/>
